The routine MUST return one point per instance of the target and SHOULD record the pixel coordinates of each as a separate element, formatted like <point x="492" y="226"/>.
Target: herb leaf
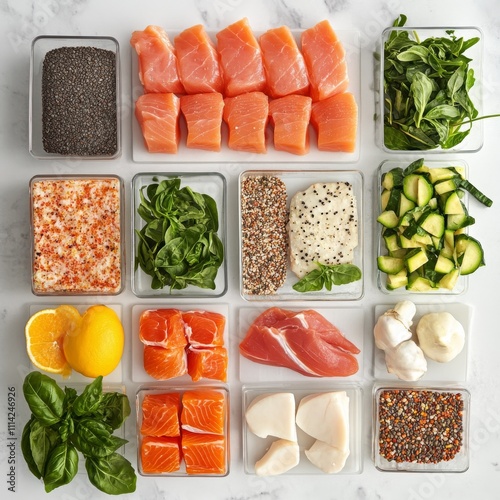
<point x="326" y="276"/>
<point x="113" y="474"/>
<point x="90" y="399"/>
<point x="62" y="466"/>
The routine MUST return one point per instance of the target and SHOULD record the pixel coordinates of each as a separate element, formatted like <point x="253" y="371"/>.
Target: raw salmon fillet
<point x="163" y="364"/>
<point x="160" y="454"/>
<point x="284" y="64"/>
<point x="157" y="61"/>
<point x="324" y="55"/>
<point x="290" y="116"/>
<point x="204" y="328"/>
<point x="204" y="453"/>
<point x="203" y="114"/>
<point x="336" y="121"/>
<point x="246" y="116"/>
<point x="203" y="411"/>
<point x="162" y="328"/>
<point x="303" y="341"/>
<point x="160" y="414"/>
<point x="207" y="362"/>
<point x="158" y="116"/>
<point x="199" y="67"/>
<point x="241" y="59"/>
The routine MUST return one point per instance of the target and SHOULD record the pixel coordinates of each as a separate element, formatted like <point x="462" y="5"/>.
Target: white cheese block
<point x="323" y="226"/>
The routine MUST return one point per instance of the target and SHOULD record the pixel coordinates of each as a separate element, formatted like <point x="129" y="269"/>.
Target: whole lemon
<point x="96" y="347"/>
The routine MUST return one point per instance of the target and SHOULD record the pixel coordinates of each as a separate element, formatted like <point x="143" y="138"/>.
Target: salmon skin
<point x="303" y="341"/>
<point x="324" y="55"/>
<point x="160" y="414"/>
<point x="160" y="454"/>
<point x="284" y="64"/>
<point x="199" y="67"/>
<point x="158" y="70"/>
<point x="290" y="116"/>
<point x="336" y="121"/>
<point x="241" y="59"/>
<point x="162" y="328"/>
<point x="158" y="117"/>
<point x="246" y="116"/>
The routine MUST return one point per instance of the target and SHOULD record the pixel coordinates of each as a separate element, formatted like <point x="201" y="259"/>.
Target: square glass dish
<point x="350" y="40"/>
<point x="264" y="231"/>
<point x="255" y="447"/>
<point x="77" y="234"/>
<point x="172" y="433"/>
<point x="443" y="127"/>
<point x="60" y="127"/>
<point x="436" y="441"/>
<point x="432" y="246"/>
<point x="202" y="252"/>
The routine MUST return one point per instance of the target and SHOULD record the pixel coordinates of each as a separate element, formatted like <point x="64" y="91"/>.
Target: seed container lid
<point x="59" y="128"/>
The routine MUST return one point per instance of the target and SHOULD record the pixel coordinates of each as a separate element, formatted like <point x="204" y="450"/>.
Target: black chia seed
<point x="79" y="115"/>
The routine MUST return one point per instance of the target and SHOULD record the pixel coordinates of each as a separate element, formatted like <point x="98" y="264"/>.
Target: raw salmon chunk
<point x="163" y="328"/>
<point x="290" y="116"/>
<point x="336" y="121"/>
<point x="284" y="64"/>
<point x="203" y="114"/>
<point x="204" y="453"/>
<point x="163" y="364"/>
<point x="157" y="61"/>
<point x="207" y="362"/>
<point x="204" y="328"/>
<point x="158" y="116"/>
<point x="246" y="116"/>
<point x="199" y="67"/>
<point x="325" y="60"/>
<point x="160" y="414"/>
<point x="160" y="454"/>
<point x="241" y="59"/>
<point x="203" y="411"/>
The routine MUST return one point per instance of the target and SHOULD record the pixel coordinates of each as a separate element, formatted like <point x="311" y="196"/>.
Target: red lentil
<point x="264" y="216"/>
<point x="420" y="426"/>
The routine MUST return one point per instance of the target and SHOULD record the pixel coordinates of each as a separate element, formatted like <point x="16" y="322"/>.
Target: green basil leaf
<point x="415" y="53"/>
<point x="342" y="274"/>
<point x="70" y="395"/>
<point x="421" y="88"/>
<point x="113" y="474"/>
<point x="26" y="449"/>
<point x="66" y="427"/>
<point x="456" y="82"/>
<point x="89" y="400"/>
<point x="114" y="409"/>
<point x="311" y="282"/>
<point x="61" y="466"/>
<point x="44" y="397"/>
<point x="94" y="438"/>
<point x="442" y="111"/>
<point x="42" y="440"/>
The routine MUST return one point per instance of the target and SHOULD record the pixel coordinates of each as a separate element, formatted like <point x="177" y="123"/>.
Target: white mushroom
<point x="440" y="336"/>
<point x="406" y="361"/>
<point x="393" y="327"/>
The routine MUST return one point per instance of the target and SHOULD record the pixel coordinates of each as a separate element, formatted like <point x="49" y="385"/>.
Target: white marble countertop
<point x="22" y="20"/>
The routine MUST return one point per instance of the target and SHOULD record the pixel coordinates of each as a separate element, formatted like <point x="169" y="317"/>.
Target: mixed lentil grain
<point x="420" y="426"/>
<point x="79" y="113"/>
<point x="264" y="217"/>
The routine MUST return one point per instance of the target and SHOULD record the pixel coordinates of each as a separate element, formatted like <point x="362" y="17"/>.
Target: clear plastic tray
<point x="210" y="183"/>
<point x="39" y="48"/>
<point x="140" y="154"/>
<point x="349" y="320"/>
<point x="296" y="180"/>
<point x="254" y="447"/>
<point x="453" y="371"/>
<point x="474" y="141"/>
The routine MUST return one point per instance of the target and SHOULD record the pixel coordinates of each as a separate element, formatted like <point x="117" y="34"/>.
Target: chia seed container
<point x="75" y="98"/>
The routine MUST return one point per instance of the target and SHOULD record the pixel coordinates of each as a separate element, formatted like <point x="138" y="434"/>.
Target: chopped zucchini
<point x="444" y="265"/>
<point x="397" y="280"/>
<point x="393" y="178"/>
<point x="472" y="258"/>
<point x="449" y="280"/>
<point x="415" y="259"/>
<point x="440" y="174"/>
<point x="405" y="205"/>
<point x="433" y="224"/>
<point x="384" y="199"/>
<point x="458" y="221"/>
<point x="447" y="186"/>
<point x="425" y="191"/>
<point x="410" y="187"/>
<point x="388" y="218"/>
<point x="390" y="265"/>
<point x="391" y="240"/>
<point x="419" y="284"/>
<point x="453" y="205"/>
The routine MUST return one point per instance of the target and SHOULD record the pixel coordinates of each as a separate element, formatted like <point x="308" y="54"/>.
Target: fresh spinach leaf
<point x="89" y="400"/>
<point x="61" y="467"/>
<point x="113" y="474"/>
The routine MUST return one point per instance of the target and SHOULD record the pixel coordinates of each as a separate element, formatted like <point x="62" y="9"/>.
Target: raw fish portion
<point x="284" y="64"/>
<point x="162" y="328"/>
<point x="204" y="328"/>
<point x="327" y="458"/>
<point x="163" y="364"/>
<point x="158" y="117"/>
<point x="302" y="341"/>
<point x="198" y="61"/>
<point x="160" y="414"/>
<point x="336" y="121"/>
<point x="204" y="453"/>
<point x="282" y="456"/>
<point x="241" y="59"/>
<point x="203" y="114"/>
<point x="157" y="61"/>
<point x="290" y="116"/>
<point x="207" y="362"/>
<point x="324" y="55"/>
<point x="203" y="411"/>
<point x="160" y="454"/>
<point x="246" y="116"/>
